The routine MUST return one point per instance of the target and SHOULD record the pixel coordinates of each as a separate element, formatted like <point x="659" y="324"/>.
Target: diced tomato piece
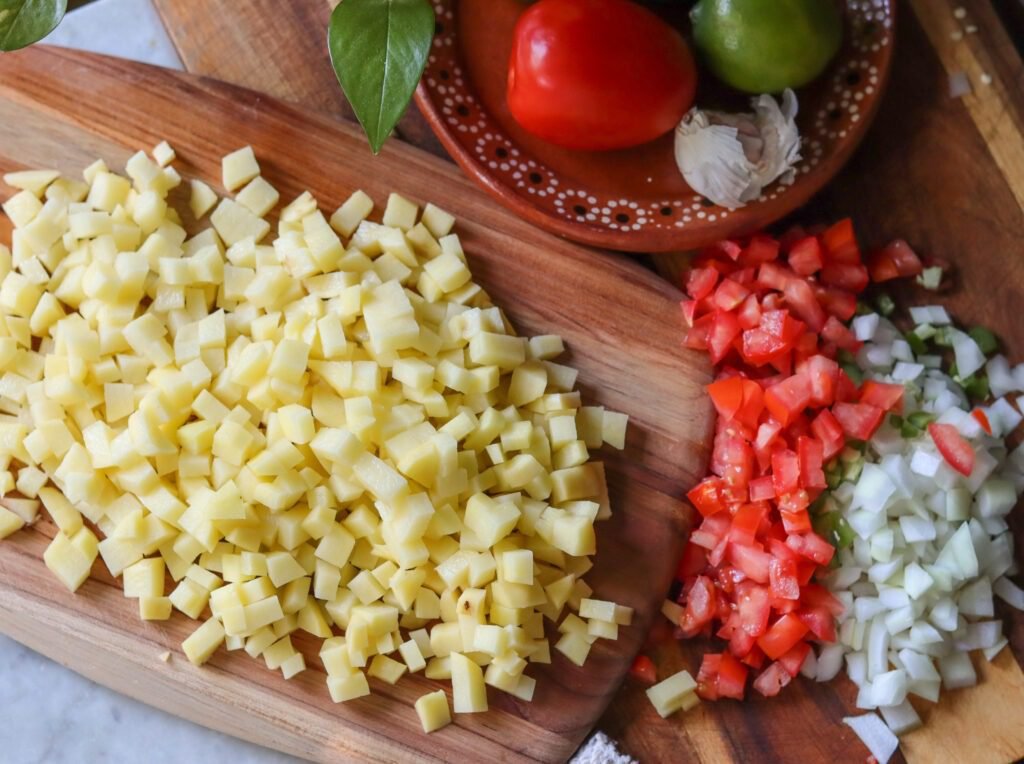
<point x="895" y="260"/>
<point x="785" y="471"/>
<point x="729" y="295"/>
<point x="805" y="347"/>
<point x="762" y="488"/>
<point x="775" y="276"/>
<point x="732" y="459"/>
<point x="820" y="621"/>
<point x="707" y="676"/>
<point x="805" y="570"/>
<point x="689" y="310"/>
<point x="782" y="577"/>
<point x="841" y="243"/>
<point x="788" y="398"/>
<point x="771" y="681"/>
<point x="729" y="248"/>
<point x="794" y="658"/>
<point x="812" y="546"/>
<point x="836" y="302"/>
<point x="753" y="605"/>
<point x="697" y="336"/>
<point x="812" y="454"/>
<point x="711" y="531"/>
<point x="700" y="282"/>
<point x="761" y="249"/>
<point x="751" y="560"/>
<point x="827" y="429"/>
<point x="840" y="335"/>
<point x="759" y="347"/>
<point x="745" y="523"/>
<point x="816" y="595"/>
<point x="749" y="313"/>
<point x="643" y="669"/>
<point x="802" y="300"/>
<point x="754" y="657"/>
<point x="753" y="404"/>
<point x="797" y="521"/>
<point x="850" y="277"/>
<point x="700" y="606"/>
<point x="858" y="420"/>
<point x="885" y="396"/>
<point x="732" y="677"/>
<point x="705" y="496"/>
<point x="955" y="449"/>
<point x="782" y="635"/>
<point x="806" y="256"/>
<point x="745" y="276"/>
<point x="724" y="329"/>
<point x="822" y="373"/>
<point x="727" y="396"/>
<point x="846" y="390"/>
<point x="693" y="561"/>
<point x="982" y="419"/>
<point x="791" y="236"/>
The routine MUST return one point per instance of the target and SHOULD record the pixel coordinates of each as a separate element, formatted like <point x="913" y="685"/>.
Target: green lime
<point x="765" y="46"/>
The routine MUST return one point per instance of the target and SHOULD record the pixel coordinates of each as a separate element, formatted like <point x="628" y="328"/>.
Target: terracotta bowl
<point x="633" y="199"/>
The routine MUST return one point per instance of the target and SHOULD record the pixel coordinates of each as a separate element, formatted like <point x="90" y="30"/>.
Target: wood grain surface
<point x="62" y="109"/>
<point x="932" y="171"/>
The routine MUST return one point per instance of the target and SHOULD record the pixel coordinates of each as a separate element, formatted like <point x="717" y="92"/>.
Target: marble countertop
<point x="48" y="713"/>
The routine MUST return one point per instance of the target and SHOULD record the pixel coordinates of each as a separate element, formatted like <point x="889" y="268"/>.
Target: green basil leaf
<point x="23" y="22"/>
<point x="379" y="49"/>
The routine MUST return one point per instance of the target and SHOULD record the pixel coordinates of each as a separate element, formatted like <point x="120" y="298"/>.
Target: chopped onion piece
<point x="1009" y="592"/>
<point x="830" y="662"/>
<point x="900" y="718"/>
<point x="969" y="357"/>
<point x="957" y="671"/>
<point x="980" y="635"/>
<point x="872" y="731"/>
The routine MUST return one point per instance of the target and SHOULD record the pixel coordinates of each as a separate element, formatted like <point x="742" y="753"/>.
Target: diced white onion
<point x="830" y="662"/>
<point x="900" y="718"/>
<point x="872" y="731"/>
<point x="1009" y="592"/>
<point x="864" y="327"/>
<point x="957" y="671"/>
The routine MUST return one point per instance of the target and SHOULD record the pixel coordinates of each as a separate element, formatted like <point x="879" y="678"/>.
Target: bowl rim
<point x="660" y="241"/>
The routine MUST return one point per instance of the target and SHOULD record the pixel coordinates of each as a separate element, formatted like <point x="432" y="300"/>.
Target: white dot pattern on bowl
<point x="854" y="78"/>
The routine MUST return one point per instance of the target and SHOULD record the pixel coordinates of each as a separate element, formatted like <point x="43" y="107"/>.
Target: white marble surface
<point x="49" y="714"/>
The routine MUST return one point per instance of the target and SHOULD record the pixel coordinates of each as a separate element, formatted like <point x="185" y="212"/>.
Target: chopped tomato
<point x="802" y="300"/>
<point x="896" y="260"/>
<point x="982" y="419"/>
<point x="782" y="636"/>
<point x="782" y="577"/>
<point x="794" y="658"/>
<point x="732" y="677"/>
<point x="822" y="373"/>
<point x="812" y="454"/>
<point x="853" y="278"/>
<point x="839" y="335"/>
<point x="693" y="561"/>
<point x="955" y="449"/>
<point x="707" y="676"/>
<point x="788" y="398"/>
<point x="643" y="669"/>
<point x="700" y="606"/>
<point x="705" y="497"/>
<point x="727" y="396"/>
<point x="820" y="622"/>
<point x="729" y="295"/>
<point x="761" y="249"/>
<point x="771" y="681"/>
<point x="749" y="314"/>
<point x="762" y="488"/>
<point x="753" y="605"/>
<point x="806" y="257"/>
<point x="724" y="329"/>
<point x="812" y="546"/>
<point x="751" y="561"/>
<point x="841" y="243"/>
<point x="858" y="420"/>
<point x="700" y="282"/>
<point x="883" y="395"/>
<point x="689" y="310"/>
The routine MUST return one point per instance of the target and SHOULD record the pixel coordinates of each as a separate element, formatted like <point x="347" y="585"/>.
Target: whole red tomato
<point x="598" y="74"/>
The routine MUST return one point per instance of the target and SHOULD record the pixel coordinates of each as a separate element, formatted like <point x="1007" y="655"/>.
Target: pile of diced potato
<point x="335" y="432"/>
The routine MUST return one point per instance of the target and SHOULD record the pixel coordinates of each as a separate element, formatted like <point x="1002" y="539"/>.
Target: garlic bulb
<point x="730" y="158"/>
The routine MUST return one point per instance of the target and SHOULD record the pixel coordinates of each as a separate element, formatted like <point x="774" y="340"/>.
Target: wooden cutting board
<point x="62" y="109"/>
<point x="945" y="173"/>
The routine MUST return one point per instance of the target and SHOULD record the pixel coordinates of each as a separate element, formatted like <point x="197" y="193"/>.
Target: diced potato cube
<point x="239" y="167"/>
<point x="203" y="199"/>
<point x="259" y="197"/>
<point x="386" y="669"/>
<point x="517" y="566"/>
<point x="433" y="711"/>
<point x="400" y="212"/>
<point x="145" y="579"/>
<point x="349" y="215"/>
<point x="672" y="694"/>
<point x="71" y="558"/>
<point x="9" y="523"/>
<point x="349" y="687"/>
<point x="154" y="608"/>
<point x="203" y="642"/>
<point x="468" y="688"/>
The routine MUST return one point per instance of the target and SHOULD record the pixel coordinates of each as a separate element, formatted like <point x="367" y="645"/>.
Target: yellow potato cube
<point x="350" y="687"/>
<point x="468" y="688"/>
<point x="517" y="566"/>
<point x="349" y="215"/>
<point x="71" y="558"/>
<point x="108" y="191"/>
<point x="203" y="642"/>
<point x="154" y="608"/>
<point x="448" y="271"/>
<point x="64" y="514"/>
<point x="400" y="212"/>
<point x="296" y="423"/>
<point x="9" y="523"/>
<point x="239" y="167"/>
<point x="490" y="520"/>
<point x="259" y="197"/>
<point x="678" y="692"/>
<point x="283" y="568"/>
<point x="432" y="710"/>
<point x="145" y="578"/>
<point x="163" y="154"/>
<point x="189" y="597"/>
<point x="437" y="221"/>
<point x="574" y="646"/>
<point x="386" y="669"/>
<point x="33" y="181"/>
<point x="235" y="223"/>
<point x="203" y="199"/>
